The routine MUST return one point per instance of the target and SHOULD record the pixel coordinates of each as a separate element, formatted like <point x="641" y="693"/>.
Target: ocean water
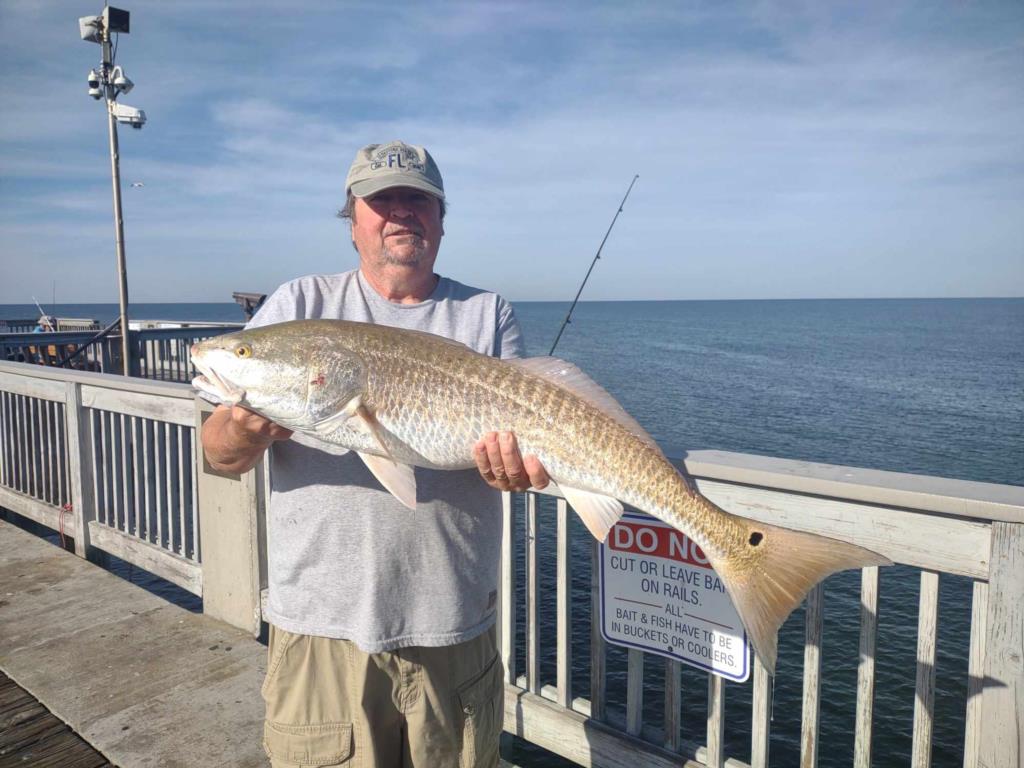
<point x="924" y="386"/>
<point x="908" y="385"/>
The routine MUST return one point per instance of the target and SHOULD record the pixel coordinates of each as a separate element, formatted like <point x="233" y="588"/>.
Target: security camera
<point x="136" y="118"/>
<point x="121" y="82"/>
<point x="94" y="84"/>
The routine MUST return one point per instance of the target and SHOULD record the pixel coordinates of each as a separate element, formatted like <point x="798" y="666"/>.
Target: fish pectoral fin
<point x="399" y="479"/>
<point x="369" y="423"/>
<point x="356" y="417"/>
<point x="599" y="513"/>
<point x="327" y="427"/>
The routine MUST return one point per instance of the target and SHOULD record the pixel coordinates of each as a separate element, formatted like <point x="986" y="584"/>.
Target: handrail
<point x="105" y="380"/>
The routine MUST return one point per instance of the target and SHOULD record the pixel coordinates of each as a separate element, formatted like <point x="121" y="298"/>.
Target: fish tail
<point x="777" y="568"/>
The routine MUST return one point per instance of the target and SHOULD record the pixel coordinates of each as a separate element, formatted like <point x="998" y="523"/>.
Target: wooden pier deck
<point x="97" y="672"/>
<point x="31" y="735"/>
<point x="145" y="682"/>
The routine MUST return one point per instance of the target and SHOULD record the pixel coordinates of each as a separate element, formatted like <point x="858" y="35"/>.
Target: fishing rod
<point x="45" y="318"/>
<point x="592" y="263"/>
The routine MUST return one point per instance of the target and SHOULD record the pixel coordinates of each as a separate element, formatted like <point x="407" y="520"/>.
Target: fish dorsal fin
<point x="599" y="513"/>
<point x="441" y="339"/>
<point x="399" y="479"/>
<point x="564" y="374"/>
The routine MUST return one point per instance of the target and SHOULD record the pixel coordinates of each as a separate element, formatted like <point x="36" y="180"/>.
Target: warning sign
<point x="659" y="593"/>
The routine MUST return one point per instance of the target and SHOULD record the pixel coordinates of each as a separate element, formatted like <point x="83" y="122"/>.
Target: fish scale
<point x="404" y="398"/>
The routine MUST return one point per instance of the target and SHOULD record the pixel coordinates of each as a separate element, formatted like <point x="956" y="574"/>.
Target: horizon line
<point x="591" y="301"/>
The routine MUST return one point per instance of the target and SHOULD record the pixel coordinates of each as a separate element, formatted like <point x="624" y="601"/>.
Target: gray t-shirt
<point x="346" y="559"/>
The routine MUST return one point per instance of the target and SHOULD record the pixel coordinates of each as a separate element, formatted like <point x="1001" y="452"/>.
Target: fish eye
<point x="243" y="350"/>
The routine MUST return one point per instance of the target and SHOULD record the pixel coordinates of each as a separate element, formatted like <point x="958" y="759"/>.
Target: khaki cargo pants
<point x="329" y="703"/>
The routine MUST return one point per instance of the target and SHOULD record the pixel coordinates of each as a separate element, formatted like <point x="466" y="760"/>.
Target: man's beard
<point x="406" y="258"/>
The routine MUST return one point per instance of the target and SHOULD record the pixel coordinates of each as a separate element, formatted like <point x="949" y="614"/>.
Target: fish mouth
<point x="212" y="384"/>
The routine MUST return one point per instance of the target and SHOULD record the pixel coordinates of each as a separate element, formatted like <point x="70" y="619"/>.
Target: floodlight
<point x="89" y="27"/>
<point x="115" y="19"/>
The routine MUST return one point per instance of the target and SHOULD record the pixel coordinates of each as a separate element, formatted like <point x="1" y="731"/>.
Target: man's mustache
<point x="396" y="230"/>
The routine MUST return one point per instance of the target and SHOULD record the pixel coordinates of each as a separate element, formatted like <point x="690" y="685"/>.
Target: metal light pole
<point x="115" y="175"/>
<point x="97" y="29"/>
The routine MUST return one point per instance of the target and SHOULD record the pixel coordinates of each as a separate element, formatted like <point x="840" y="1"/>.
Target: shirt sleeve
<point x="508" y="336"/>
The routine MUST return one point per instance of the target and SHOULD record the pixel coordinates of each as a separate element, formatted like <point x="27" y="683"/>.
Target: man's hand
<point x="235" y="438"/>
<point x="504" y="468"/>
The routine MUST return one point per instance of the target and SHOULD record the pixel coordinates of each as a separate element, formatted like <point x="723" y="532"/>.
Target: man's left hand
<point x="504" y="468"/>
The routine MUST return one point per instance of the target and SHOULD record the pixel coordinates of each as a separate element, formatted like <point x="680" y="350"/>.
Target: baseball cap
<point x="395" y="164"/>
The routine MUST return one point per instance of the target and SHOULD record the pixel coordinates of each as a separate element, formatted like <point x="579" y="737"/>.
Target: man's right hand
<point x="235" y="438"/>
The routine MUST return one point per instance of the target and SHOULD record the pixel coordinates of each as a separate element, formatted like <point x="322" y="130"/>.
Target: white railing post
<point x="79" y="445"/>
<point x="1002" y="698"/>
<point x="229" y="531"/>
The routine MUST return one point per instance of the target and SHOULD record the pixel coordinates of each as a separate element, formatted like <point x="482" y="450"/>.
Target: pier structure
<point x="157" y="349"/>
<point x="114" y="463"/>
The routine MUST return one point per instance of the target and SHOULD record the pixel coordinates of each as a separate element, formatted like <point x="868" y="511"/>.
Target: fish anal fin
<point x="398" y="479"/>
<point x="599" y="513"/>
<point x="564" y="374"/>
<point x="787" y="565"/>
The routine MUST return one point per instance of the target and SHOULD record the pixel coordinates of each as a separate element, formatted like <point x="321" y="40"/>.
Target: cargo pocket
<point x="482" y="700"/>
<point x="324" y="744"/>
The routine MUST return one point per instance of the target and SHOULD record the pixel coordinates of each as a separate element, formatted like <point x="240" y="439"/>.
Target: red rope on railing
<point x="64" y="510"/>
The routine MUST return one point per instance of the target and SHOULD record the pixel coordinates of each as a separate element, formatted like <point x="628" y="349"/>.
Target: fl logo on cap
<point x="396" y="157"/>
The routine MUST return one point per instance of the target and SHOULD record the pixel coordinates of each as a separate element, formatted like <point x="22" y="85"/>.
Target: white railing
<point x="123" y="454"/>
<point x="941" y="527"/>
<point x="107" y="460"/>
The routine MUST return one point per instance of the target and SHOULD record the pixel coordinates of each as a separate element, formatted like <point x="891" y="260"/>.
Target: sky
<point x="785" y="150"/>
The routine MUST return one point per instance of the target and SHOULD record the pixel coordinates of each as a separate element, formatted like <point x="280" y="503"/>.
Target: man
<point x="382" y="648"/>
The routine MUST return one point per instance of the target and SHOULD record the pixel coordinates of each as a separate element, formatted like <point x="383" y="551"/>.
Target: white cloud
<point x="787" y="150"/>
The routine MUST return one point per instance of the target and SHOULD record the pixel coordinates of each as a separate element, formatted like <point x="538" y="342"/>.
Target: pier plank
<point x="31" y="735"/>
<point x="152" y="666"/>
